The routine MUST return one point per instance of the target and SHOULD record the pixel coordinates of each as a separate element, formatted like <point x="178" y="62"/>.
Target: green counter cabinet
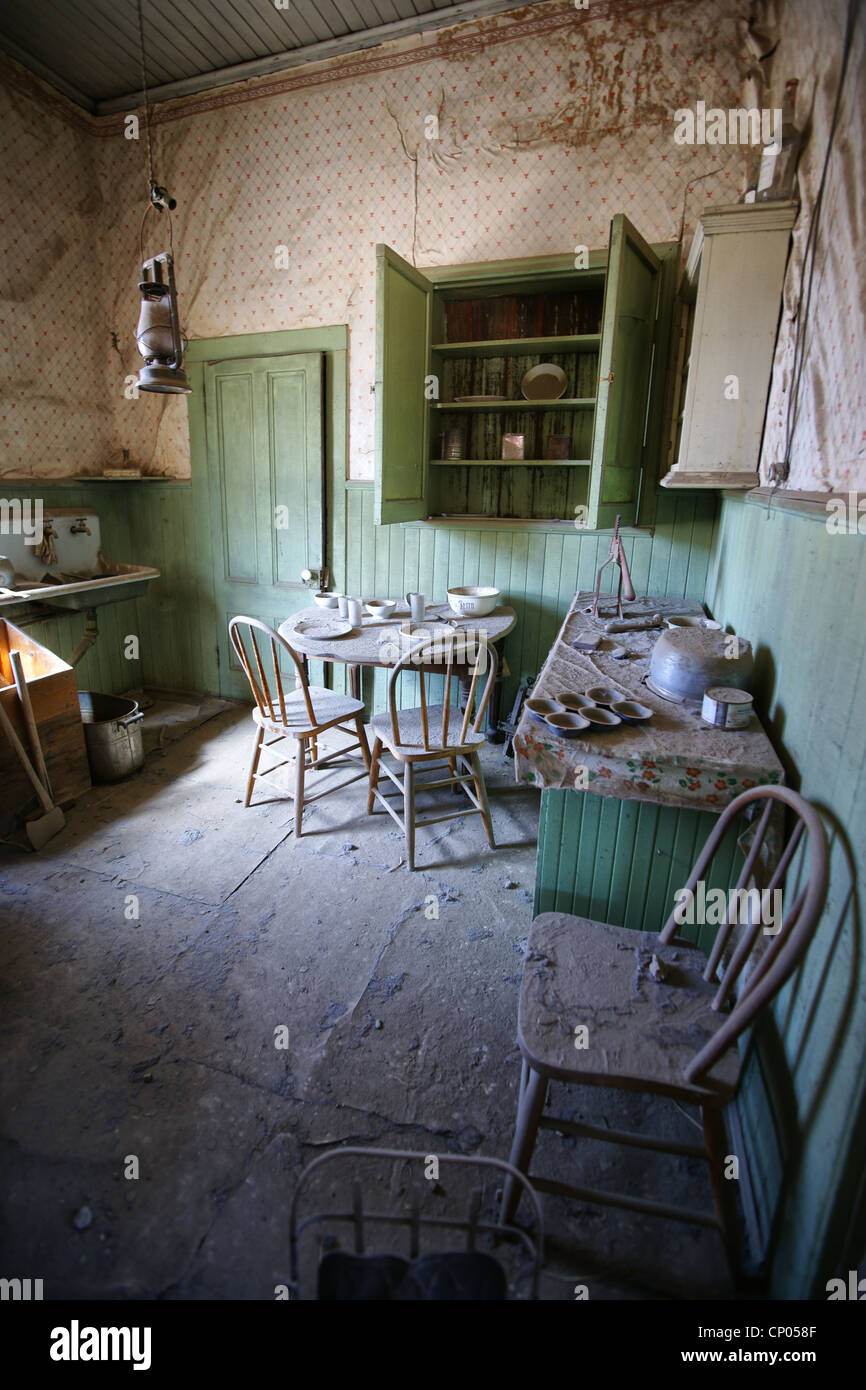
<point x="622" y="861"/>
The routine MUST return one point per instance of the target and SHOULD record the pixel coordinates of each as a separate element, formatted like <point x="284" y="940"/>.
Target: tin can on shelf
<point x="453" y="444"/>
<point x="726" y="708"/>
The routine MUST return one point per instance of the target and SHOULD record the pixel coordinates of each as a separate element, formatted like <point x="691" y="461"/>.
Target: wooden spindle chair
<point x="301" y="714"/>
<point x="669" y="1029"/>
<point x="431" y="734"/>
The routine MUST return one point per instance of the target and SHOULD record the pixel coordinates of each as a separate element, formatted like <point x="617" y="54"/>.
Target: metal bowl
<point x="541" y="708"/>
<point x="687" y="660"/>
<point x="570" y="724"/>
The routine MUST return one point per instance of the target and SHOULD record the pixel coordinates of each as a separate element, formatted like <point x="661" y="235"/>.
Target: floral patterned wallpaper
<point x="548" y="120"/>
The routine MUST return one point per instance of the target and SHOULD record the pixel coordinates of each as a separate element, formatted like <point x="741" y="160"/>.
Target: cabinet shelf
<point x="564" y="403"/>
<point x="511" y="463"/>
<point x="458" y="328"/>
<point x="520" y="347"/>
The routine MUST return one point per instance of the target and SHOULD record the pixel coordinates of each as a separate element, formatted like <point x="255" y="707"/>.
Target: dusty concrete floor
<point x="155" y="1036"/>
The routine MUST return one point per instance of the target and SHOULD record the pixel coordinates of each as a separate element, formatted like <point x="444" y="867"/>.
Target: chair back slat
<point x="263" y="680"/>
<point x="726" y="927"/>
<point x="425" y="729"/>
<point x="750" y="936"/>
<point x="243" y="658"/>
<point x="775" y="946"/>
<point x="456" y="645"/>
<point x="784" y="953"/>
<point x="446" y="703"/>
<point x="279" y="680"/>
<point x="470" y="701"/>
<point x="242" y="633"/>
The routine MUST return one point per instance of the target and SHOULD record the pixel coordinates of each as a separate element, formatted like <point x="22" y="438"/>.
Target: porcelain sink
<point x="128" y="581"/>
<point x="68" y="570"/>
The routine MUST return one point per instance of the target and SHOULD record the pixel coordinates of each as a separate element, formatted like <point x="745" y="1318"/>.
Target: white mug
<point x="354" y="611"/>
<point x="342" y="604"/>
<point x="417" y="607"/>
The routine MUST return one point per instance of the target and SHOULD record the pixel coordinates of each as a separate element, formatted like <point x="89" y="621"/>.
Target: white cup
<point x="417" y="607"/>
<point x="342" y="604"/>
<point x="354" y="611"/>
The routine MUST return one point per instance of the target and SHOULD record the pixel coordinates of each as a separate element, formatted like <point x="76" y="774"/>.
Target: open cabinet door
<point x="631" y="302"/>
<point x="404" y="300"/>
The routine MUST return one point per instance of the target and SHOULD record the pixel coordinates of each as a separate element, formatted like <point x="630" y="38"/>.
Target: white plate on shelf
<point x="323" y="629"/>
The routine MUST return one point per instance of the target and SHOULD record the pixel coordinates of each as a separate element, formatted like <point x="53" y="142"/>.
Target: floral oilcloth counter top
<point x="674" y="758"/>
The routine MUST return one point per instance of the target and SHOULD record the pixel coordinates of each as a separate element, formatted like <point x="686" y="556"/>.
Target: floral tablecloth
<point x="674" y="759"/>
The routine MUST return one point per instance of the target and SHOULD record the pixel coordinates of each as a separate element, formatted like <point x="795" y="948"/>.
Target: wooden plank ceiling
<point x="89" y="49"/>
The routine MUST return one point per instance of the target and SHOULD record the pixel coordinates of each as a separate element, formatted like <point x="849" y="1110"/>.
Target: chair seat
<point x="642" y="1031"/>
<point x="412" y="734"/>
<point x="328" y="707"/>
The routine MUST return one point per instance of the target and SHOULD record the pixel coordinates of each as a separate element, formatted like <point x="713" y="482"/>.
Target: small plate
<point x="546" y="382"/>
<point x="324" y="630"/>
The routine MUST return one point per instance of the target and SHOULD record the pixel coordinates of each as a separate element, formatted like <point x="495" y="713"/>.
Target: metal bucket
<point x="112" y="734"/>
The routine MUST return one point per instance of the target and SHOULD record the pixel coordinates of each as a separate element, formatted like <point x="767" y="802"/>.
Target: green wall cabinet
<point x="453" y="345"/>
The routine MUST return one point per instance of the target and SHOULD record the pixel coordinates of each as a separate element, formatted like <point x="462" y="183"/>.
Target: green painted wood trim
<point x="811" y="505"/>
<point x="333" y="338"/>
<point x="799" y="593"/>
<point x="404" y="328"/>
<point x="519" y="347"/>
<point x="533" y="268"/>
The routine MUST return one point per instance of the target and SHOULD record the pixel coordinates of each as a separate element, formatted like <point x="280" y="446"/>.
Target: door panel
<point x="266" y="484"/>
<point x="404" y="300"/>
<point x="631" y="298"/>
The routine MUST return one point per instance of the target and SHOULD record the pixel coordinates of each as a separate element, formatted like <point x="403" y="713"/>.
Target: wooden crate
<point x="54" y="697"/>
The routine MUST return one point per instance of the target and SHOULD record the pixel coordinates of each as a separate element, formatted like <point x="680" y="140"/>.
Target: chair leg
<point x="362" y="739"/>
<point x="452" y="768"/>
<point x="299" y="785"/>
<point x="723" y="1188"/>
<point x="481" y="793"/>
<point x="374" y="775"/>
<point x="533" y="1094"/>
<point x="254" y="764"/>
<point x="409" y="812"/>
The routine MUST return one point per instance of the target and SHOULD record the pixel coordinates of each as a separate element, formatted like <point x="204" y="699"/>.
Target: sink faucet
<point x="80" y="526"/>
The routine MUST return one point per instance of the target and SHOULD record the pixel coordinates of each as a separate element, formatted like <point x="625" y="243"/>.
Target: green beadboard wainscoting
<point x="798" y="593"/>
<point x="104" y="667"/>
<point x="538" y="567"/>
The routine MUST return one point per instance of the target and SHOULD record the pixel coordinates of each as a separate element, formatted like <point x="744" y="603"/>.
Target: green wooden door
<point x="631" y="303"/>
<point x="404" y="301"/>
<point x="265" y="480"/>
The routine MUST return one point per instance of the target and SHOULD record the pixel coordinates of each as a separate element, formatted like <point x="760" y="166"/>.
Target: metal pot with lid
<point x="687" y="661"/>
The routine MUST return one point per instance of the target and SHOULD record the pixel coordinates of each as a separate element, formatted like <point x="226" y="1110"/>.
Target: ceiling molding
<point x="267" y="64"/>
<point x="46" y="74"/>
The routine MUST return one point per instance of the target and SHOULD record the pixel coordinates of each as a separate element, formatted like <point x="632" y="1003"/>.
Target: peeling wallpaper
<point x="550" y="120"/>
<point x="828" y="440"/>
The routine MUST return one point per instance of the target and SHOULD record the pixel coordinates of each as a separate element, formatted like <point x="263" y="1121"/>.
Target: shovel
<point x="43" y="828"/>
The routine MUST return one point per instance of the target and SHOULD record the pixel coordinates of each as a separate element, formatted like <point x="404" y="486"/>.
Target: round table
<point x="361" y="647"/>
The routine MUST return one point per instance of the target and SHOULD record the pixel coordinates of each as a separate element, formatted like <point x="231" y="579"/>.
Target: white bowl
<point x="472" y="601"/>
<point x="325" y="600"/>
<point x="381" y="607"/>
